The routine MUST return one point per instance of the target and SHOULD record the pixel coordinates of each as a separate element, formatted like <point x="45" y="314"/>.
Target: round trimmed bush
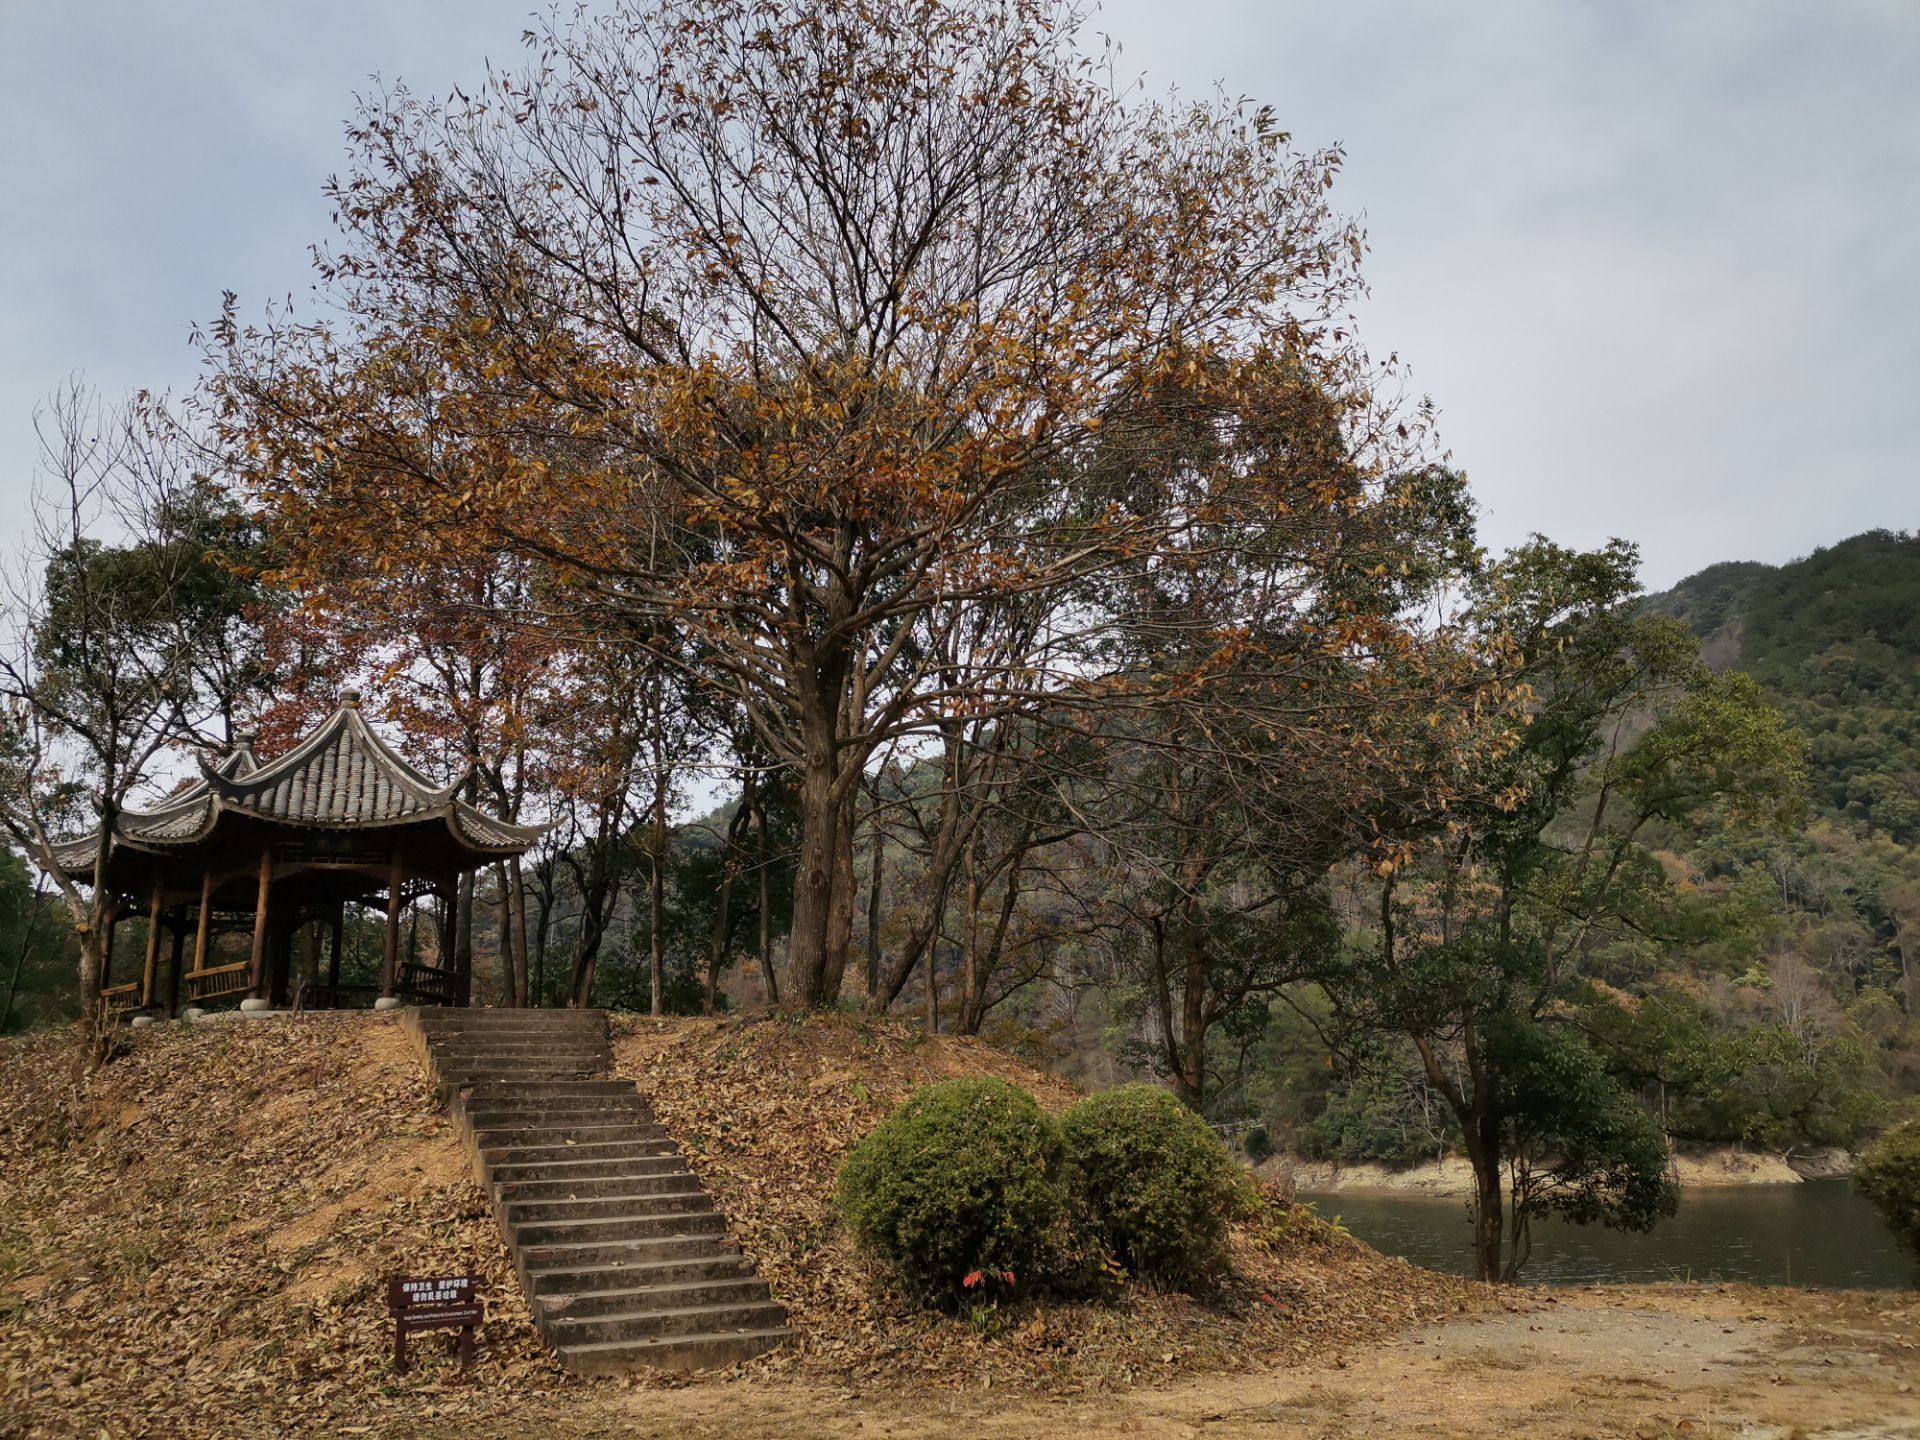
<point x="1156" y="1182"/>
<point x="1888" y="1174"/>
<point x="964" y="1176"/>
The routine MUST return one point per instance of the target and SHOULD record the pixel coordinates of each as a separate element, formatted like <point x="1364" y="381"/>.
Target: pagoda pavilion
<point x="269" y="848"/>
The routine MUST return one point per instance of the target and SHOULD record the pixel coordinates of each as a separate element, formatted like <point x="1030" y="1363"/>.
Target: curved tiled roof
<point x="341" y="777"/>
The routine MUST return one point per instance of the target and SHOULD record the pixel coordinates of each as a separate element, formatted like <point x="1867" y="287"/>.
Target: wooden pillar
<point x="449" y="928"/>
<point x="106" y="956"/>
<point x="257" y="974"/>
<point x="173" y="966"/>
<point x="153" y="949"/>
<point x="396" y="877"/>
<point x="203" y="920"/>
<point x="333" y="949"/>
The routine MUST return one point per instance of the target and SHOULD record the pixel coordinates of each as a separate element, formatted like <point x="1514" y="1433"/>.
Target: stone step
<point x="622" y="1255"/>
<point x="531" y="1089"/>
<point x="514" y="1134"/>
<point x="495" y="1155"/>
<point x="580" y="1304"/>
<point x="596" y="1207"/>
<point x="647" y="1273"/>
<point x="518" y="1040"/>
<point x="550" y="1108"/>
<point x="684" y="1352"/>
<point x="553" y="1117"/>
<point x="475" y="1017"/>
<point x="567" y="1329"/>
<point x="611" y="1255"/>
<point x="608" y="1229"/>
<point x="588" y="1035"/>
<point x="589" y="1171"/>
<point x="533" y="1192"/>
<point x="532" y="1065"/>
<point x="487" y="1071"/>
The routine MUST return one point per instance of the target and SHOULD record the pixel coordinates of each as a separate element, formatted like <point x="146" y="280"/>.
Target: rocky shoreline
<point x="1695" y="1168"/>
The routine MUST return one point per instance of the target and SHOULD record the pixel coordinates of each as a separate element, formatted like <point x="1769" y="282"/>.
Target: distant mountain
<point x="1835" y="641"/>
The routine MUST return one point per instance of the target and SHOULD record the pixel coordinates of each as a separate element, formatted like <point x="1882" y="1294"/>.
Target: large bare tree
<point x="792" y="329"/>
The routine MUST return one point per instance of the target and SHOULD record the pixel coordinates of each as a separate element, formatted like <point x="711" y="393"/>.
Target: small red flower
<point x="1008" y="1277"/>
<point x="972" y="1280"/>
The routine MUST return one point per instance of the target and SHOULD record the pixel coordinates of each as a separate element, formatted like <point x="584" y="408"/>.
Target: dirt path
<point x="1628" y="1362"/>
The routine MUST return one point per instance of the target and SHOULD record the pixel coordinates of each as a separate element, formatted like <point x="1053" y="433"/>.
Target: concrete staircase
<point x="622" y="1256"/>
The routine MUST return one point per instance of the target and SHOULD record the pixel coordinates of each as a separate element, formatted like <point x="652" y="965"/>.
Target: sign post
<point x="434" y="1302"/>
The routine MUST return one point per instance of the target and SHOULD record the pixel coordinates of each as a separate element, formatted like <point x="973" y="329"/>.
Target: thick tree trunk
<point x="815" y="928"/>
<point x="1483" y="1150"/>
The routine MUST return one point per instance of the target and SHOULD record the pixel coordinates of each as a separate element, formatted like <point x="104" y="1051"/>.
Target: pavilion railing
<point x="428" y="984"/>
<point x="220" y="981"/>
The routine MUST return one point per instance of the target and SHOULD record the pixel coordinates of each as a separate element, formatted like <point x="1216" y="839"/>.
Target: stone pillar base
<point x="252" y="1006"/>
<point x="192" y="1012"/>
<point x="388" y="1002"/>
<point x="140" y="1022"/>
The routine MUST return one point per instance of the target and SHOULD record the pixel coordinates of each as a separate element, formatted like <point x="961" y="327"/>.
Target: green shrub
<point x="1155" y="1181"/>
<point x="1888" y="1174"/>
<point x="964" y="1177"/>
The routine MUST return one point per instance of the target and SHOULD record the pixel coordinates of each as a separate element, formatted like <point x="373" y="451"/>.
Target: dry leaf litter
<point x="195" y="1239"/>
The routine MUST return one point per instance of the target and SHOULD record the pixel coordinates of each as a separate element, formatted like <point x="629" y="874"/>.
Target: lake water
<point x="1818" y="1234"/>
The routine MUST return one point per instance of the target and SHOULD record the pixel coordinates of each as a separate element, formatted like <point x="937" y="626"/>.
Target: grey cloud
<point x="1653" y="260"/>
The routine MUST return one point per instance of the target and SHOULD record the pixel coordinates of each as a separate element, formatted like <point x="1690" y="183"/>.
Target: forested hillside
<point x="1790" y="1021"/>
<point x="1834" y="640"/>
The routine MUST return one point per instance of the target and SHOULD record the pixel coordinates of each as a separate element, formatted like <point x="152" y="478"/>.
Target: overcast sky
<point x="1658" y="263"/>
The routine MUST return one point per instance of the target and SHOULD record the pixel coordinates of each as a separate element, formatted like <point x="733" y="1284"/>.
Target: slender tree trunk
<point x="719" y="942"/>
<point x="541" y="932"/>
<point x="970" y="950"/>
<point x="30" y="922"/>
<point x="933" y="988"/>
<point x="517" y="890"/>
<point x="656" y="955"/>
<point x="503" y="916"/>
<point x="763" y="863"/>
<point x="1193" y="1020"/>
<point x="463" y="925"/>
<point x="876" y="875"/>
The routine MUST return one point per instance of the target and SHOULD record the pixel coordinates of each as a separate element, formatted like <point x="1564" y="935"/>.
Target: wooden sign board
<point x="434" y="1302"/>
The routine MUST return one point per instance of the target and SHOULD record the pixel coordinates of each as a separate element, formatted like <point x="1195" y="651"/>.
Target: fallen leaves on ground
<point x="766" y="1107"/>
<point x="195" y="1239"/>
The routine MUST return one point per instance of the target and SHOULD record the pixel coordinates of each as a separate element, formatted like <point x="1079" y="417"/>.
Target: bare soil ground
<point x="1632" y="1361"/>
